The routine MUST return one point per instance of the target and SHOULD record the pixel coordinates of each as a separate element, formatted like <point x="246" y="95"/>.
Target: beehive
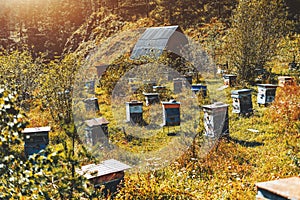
<point x="171" y="113"/>
<point x="189" y="78"/>
<point x="178" y="84"/>
<point x="215" y="119"/>
<point x="288" y="188"/>
<point x="109" y="174"/>
<point x="242" y="101"/>
<point x="96" y="130"/>
<point x="159" y="88"/>
<point x="90" y="86"/>
<point x="266" y="93"/>
<point x="134" y="112"/>
<point x="36" y="139"/>
<point x="199" y="88"/>
<point x="91" y="104"/>
<point x="229" y="79"/>
<point x="151" y="98"/>
<point x="285" y="80"/>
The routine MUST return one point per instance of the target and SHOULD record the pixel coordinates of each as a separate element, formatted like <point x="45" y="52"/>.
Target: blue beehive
<point x="171" y="113"/>
<point x="199" y="88"/>
<point x="266" y="93"/>
<point x="229" y="79"/>
<point x="134" y="112"/>
<point x="215" y="118"/>
<point x="36" y="139"/>
<point x="242" y="101"/>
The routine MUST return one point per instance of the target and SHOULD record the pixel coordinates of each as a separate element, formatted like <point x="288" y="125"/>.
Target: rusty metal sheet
<point x="96" y="122"/>
<point x="288" y="188"/>
<point x="106" y="167"/>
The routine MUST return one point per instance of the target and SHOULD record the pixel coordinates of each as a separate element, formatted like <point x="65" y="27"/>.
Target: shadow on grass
<point x="246" y="143"/>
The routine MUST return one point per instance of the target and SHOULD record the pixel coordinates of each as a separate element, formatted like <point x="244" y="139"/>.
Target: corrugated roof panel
<point x="96" y="122"/>
<point x="287" y="188"/>
<point x="154" y="38"/>
<point x="106" y="167"/>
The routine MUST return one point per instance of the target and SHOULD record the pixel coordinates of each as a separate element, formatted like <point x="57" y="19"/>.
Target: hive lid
<point x="106" y="167"/>
<point x="36" y="129"/>
<point x="150" y="94"/>
<point x="90" y="99"/>
<point x="171" y="101"/>
<point x="241" y="91"/>
<point x="288" y="187"/>
<point x="215" y="105"/>
<point x="134" y="102"/>
<point x="267" y="85"/>
<point x="229" y="75"/>
<point x="285" y="77"/>
<point x="96" y="122"/>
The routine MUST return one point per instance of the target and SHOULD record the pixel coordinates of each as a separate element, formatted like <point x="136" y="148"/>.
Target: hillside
<point x="48" y="62"/>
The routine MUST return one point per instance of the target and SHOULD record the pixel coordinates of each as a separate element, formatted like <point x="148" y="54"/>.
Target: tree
<point x="41" y="176"/>
<point x="257" y="27"/>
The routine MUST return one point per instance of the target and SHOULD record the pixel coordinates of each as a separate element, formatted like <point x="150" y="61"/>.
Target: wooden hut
<point x="155" y="40"/>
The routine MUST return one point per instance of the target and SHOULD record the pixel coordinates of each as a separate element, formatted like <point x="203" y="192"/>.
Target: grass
<point x="228" y="171"/>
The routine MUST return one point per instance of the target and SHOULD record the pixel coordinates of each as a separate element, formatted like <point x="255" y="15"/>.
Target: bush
<point x="286" y="107"/>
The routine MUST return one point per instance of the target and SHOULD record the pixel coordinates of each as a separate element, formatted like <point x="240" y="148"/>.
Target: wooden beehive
<point x="91" y="104"/>
<point x="109" y="174"/>
<point x="281" y="189"/>
<point x="171" y="113"/>
<point x="36" y="139"/>
<point x="90" y="86"/>
<point x="242" y="101"/>
<point x="216" y="122"/>
<point x="151" y="98"/>
<point x="134" y="112"/>
<point x="229" y="79"/>
<point x="199" y="88"/>
<point x="266" y="93"/>
<point x="285" y="80"/>
<point x="189" y="78"/>
<point x="96" y="130"/>
<point x="159" y="88"/>
<point x="179" y="83"/>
